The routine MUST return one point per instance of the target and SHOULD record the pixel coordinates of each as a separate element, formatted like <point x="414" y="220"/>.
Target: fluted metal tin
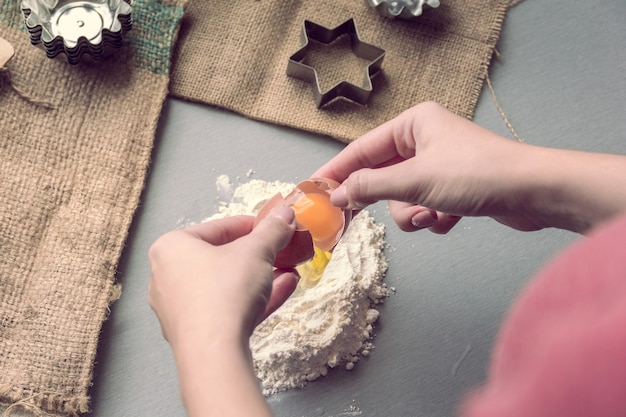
<point x="404" y="9"/>
<point x="77" y="28"/>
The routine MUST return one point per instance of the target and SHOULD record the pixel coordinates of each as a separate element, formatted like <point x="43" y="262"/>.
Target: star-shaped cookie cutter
<point x="296" y="69"/>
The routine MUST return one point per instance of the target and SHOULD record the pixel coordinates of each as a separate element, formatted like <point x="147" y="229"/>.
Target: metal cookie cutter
<point x="297" y="69"/>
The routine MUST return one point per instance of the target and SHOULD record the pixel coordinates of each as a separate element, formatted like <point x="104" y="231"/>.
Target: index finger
<point x="388" y="142"/>
<point x="221" y="231"/>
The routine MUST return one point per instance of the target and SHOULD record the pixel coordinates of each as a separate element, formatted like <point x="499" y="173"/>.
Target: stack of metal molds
<point x="404" y="9"/>
<point x="79" y="29"/>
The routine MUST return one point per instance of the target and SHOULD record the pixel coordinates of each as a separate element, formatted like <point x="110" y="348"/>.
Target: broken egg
<point x="319" y="224"/>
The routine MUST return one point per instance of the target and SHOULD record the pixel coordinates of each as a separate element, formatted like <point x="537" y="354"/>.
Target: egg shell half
<point x="300" y="247"/>
<point x="320" y="186"/>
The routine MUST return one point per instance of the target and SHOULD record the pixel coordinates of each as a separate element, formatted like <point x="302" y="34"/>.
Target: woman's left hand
<point x="218" y="276"/>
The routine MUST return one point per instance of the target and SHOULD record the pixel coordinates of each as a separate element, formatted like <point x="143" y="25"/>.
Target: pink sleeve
<point x="562" y="349"/>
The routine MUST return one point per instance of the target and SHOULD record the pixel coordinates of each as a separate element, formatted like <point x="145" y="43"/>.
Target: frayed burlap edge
<point x="23" y="400"/>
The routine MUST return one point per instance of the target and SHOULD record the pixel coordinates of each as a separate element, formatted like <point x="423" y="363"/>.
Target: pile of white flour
<point x="329" y="324"/>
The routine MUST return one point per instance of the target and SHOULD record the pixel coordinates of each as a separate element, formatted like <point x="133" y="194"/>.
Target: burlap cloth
<point x="234" y="55"/>
<point x="70" y="180"/>
<point x="75" y="144"/>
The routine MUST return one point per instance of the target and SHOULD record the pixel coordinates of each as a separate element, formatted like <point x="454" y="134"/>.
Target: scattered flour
<point x="329" y="324"/>
<point x="224" y="187"/>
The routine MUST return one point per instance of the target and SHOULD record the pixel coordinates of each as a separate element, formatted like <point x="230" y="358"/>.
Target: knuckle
<point x="268" y="242"/>
<point x="160" y="246"/>
<point x="357" y="187"/>
<point x="155" y="250"/>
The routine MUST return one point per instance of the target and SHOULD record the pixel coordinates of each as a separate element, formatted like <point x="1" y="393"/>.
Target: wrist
<point x="537" y="187"/>
<point x="206" y="328"/>
<point x="188" y="343"/>
<point x="570" y="190"/>
<point x="216" y="377"/>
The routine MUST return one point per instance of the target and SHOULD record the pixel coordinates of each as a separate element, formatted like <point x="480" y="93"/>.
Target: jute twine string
<point x="501" y="111"/>
<point x="5" y="77"/>
<point x="507" y="122"/>
<point x="26" y="404"/>
<point x="22" y="405"/>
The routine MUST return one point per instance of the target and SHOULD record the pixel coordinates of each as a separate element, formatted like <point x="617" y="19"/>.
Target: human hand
<point x="217" y="277"/>
<point x="211" y="284"/>
<point x="435" y="167"/>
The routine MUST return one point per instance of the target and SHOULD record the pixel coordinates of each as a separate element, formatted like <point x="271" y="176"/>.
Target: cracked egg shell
<point x="318" y="222"/>
<point x="300" y="247"/>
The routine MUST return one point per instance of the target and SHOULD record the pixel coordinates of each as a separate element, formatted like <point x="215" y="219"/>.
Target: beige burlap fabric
<point x="234" y="55"/>
<point x="71" y="173"/>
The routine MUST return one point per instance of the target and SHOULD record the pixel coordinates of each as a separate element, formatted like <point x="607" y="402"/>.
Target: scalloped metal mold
<point x="77" y="28"/>
<point x="404" y="9"/>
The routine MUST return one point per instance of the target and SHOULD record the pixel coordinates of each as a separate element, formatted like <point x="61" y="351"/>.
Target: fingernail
<point x="283" y="213"/>
<point x="423" y="219"/>
<point x="293" y="272"/>
<point x="339" y="197"/>
<point x="296" y="275"/>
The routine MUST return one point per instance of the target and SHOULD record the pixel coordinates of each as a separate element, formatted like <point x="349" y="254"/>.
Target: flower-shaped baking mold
<point x="77" y="28"/>
<point x="405" y="9"/>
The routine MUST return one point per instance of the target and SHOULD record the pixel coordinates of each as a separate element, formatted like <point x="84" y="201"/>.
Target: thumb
<point x="367" y="186"/>
<point x="274" y="231"/>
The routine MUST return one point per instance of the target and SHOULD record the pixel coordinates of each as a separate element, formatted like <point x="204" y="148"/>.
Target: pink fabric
<point x="562" y="350"/>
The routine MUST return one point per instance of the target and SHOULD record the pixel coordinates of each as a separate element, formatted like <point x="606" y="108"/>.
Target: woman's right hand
<point x="435" y="167"/>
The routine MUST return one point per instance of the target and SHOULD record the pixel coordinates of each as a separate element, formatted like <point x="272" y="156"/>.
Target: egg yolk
<point x="323" y="220"/>
<point x="311" y="271"/>
<point x="315" y="212"/>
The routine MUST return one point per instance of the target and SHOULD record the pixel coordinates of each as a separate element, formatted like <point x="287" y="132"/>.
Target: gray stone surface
<point x="561" y="80"/>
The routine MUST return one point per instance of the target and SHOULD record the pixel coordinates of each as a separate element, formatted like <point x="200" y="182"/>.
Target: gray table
<point x="561" y="81"/>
